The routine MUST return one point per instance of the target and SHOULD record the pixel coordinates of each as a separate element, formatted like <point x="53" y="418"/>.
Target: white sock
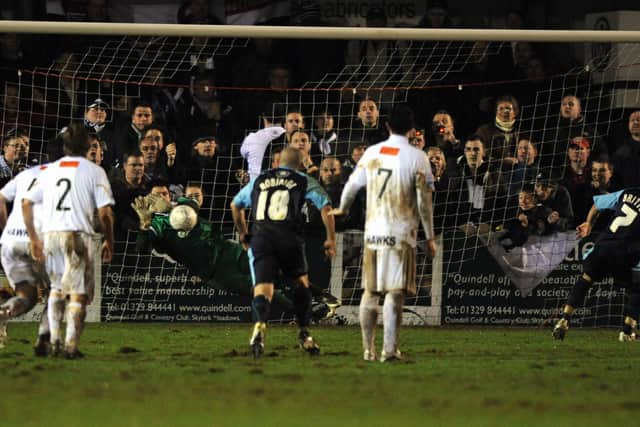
<point x="55" y="313"/>
<point x="368" y="320"/>
<point x="75" y="324"/>
<point x="17" y="305"/>
<point x="392" y="319"/>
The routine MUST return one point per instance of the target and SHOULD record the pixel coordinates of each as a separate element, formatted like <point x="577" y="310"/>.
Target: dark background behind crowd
<point x="164" y="114"/>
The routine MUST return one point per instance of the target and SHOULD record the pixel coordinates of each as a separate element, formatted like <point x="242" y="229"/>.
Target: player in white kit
<point x="70" y="190"/>
<point x="399" y="187"/>
<point x="24" y="274"/>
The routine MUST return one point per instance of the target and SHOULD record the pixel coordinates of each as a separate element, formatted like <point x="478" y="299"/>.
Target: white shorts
<point x="69" y="262"/>
<point x="19" y="266"/>
<point x="388" y="269"/>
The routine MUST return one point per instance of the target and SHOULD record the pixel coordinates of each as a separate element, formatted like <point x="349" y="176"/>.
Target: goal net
<point x="487" y="269"/>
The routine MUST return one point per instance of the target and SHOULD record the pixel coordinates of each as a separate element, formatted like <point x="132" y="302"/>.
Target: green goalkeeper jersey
<point x="203" y="250"/>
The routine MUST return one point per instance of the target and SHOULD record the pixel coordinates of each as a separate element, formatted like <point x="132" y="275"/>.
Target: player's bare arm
<point x="105" y="217"/>
<point x="584" y="229"/>
<point x="240" y="221"/>
<point x="425" y="208"/>
<point x="37" y="252"/>
<point x="330" y="228"/>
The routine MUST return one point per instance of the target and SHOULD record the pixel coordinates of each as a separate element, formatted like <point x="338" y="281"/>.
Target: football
<point x="183" y="218"/>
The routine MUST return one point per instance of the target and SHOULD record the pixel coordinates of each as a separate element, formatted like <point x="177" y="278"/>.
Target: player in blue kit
<point x="276" y="198"/>
<point x="616" y="252"/>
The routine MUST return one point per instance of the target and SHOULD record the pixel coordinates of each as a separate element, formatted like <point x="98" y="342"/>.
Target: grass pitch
<point x="202" y="375"/>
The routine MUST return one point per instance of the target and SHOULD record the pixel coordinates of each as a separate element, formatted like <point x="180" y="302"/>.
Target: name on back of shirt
<point x="277" y="182"/>
<point x="632" y="200"/>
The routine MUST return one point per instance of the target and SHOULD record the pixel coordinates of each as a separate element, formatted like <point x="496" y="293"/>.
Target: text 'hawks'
<point x="381" y="240"/>
<point x="277" y="182"/>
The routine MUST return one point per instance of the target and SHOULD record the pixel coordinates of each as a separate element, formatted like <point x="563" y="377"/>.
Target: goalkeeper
<point x="221" y="263"/>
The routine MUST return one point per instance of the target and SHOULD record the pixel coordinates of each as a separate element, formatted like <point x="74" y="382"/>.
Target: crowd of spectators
<point x="492" y="166"/>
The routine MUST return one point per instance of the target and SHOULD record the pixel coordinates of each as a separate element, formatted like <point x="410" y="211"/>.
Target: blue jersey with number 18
<point x="276" y="198"/>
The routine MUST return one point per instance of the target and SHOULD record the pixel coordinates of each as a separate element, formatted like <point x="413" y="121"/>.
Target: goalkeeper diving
<point x="202" y="248"/>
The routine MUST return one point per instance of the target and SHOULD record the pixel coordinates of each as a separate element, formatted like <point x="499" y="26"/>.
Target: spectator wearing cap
<point x="556" y="197"/>
<point x="15" y="149"/>
<point x="627" y="158"/>
<point x="577" y="177"/>
<point x="95" y="120"/>
<point x="204" y="150"/>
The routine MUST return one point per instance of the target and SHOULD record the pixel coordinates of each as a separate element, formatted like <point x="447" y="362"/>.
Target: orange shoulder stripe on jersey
<point x="390" y="151"/>
<point x="43" y="167"/>
<point x="69" y="164"/>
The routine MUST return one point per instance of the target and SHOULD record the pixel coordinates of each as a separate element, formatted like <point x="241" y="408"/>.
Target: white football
<point x="183" y="218"/>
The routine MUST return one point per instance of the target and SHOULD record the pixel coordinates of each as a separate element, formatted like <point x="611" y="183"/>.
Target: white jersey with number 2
<point x="70" y="190"/>
<point x="389" y="169"/>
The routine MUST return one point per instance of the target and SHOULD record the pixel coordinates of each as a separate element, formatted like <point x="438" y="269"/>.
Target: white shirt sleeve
<point x="102" y="190"/>
<point x="254" y="146"/>
<point x="357" y="180"/>
<point x="35" y="194"/>
<point x="9" y="190"/>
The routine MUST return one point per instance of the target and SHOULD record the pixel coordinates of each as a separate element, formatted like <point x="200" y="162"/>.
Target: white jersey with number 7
<point x="70" y="190"/>
<point x="389" y="169"/>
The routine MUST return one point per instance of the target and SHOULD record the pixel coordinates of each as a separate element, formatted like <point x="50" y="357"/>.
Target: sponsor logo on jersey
<point x="381" y="240"/>
<point x="69" y="164"/>
<point x="389" y="151"/>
